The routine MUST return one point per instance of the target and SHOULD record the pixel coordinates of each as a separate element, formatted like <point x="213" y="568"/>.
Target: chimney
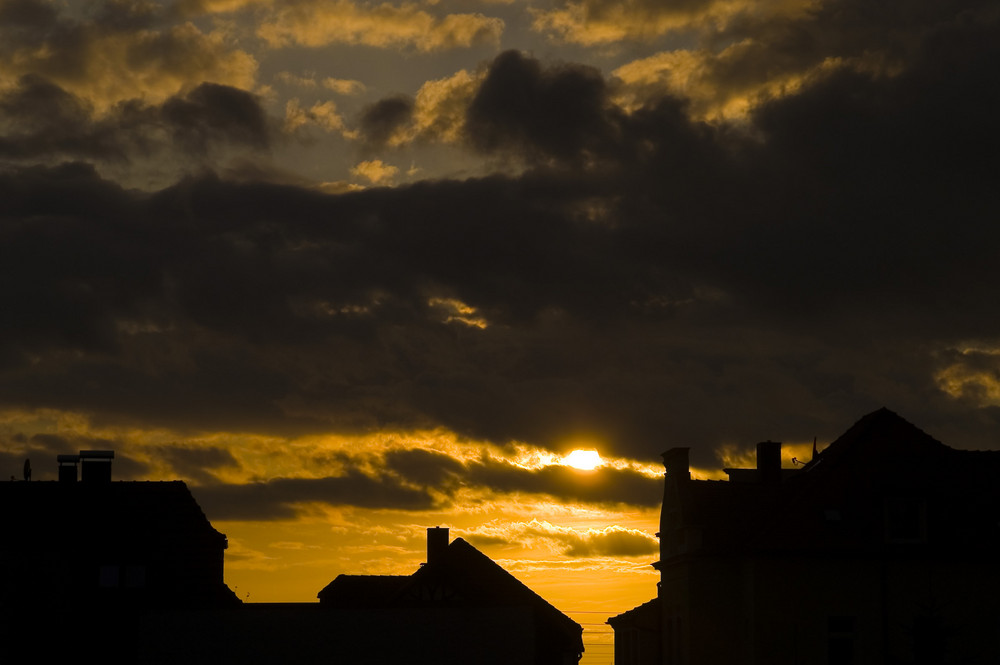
<point x="769" y="461"/>
<point x="676" y="462"/>
<point x="437" y="543"/>
<point x="96" y="465"/>
<point x="67" y="467"/>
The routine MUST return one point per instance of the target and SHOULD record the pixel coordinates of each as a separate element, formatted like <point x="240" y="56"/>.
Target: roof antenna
<point x="796" y="460"/>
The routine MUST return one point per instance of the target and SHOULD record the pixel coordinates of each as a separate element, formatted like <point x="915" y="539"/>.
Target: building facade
<point x="883" y="549"/>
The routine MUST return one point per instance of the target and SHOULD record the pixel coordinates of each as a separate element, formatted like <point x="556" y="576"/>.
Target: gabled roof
<point x="461" y="576"/>
<point x="881" y="442"/>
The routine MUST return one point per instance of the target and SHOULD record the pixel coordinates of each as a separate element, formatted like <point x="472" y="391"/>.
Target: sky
<point x="352" y="269"/>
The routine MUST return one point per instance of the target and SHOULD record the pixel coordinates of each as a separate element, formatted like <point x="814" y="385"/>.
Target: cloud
<point x="560" y="111"/>
<point x="46" y="123"/>
<point x="195" y="463"/>
<point x="971" y="374"/>
<point x="278" y="499"/>
<point x="381" y="121"/>
<point x="344" y="86"/>
<point x="125" y="53"/>
<point x="593" y="22"/>
<point x="435" y="114"/>
<point x="339" y="86"/>
<point x="212" y="111"/>
<point x="611" y="541"/>
<point x="375" y="171"/>
<point x="647" y="278"/>
<point x="602" y="486"/>
<point x="741" y="64"/>
<point x="320" y="114"/>
<point x="199" y="7"/>
<point x="313" y="23"/>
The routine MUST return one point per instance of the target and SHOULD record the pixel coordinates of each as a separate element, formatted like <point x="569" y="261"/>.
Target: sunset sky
<point x="352" y="269"/>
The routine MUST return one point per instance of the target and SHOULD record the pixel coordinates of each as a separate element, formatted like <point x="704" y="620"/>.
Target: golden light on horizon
<point x="585" y="460"/>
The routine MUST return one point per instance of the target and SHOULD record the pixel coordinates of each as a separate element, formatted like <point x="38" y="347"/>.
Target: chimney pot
<point x="67" y="467"/>
<point x="769" y="461"/>
<point x="677" y="463"/>
<point x="96" y="465"/>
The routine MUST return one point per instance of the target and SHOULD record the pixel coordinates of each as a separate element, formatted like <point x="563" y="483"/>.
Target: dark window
<point x="135" y="576"/>
<point x="108" y="577"/>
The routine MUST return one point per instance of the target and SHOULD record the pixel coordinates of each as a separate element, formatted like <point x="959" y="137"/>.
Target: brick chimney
<point x="96" y="465"/>
<point x="68" y="468"/>
<point x="676" y="462"/>
<point x="769" y="462"/>
<point x="437" y="543"/>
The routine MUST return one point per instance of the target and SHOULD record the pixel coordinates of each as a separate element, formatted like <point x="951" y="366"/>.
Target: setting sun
<point x="586" y="460"/>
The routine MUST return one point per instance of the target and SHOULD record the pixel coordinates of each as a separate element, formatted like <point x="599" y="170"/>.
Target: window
<point x="108" y="577"/>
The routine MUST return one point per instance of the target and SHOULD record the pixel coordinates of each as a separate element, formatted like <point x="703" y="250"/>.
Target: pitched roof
<point x="881" y="442"/>
<point x="646" y="615"/>
<point x="461" y="576"/>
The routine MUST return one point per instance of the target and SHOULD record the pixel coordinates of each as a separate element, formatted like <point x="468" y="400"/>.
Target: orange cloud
<point x="314" y="23"/>
<point x="610" y="541"/>
<point x="320" y="114"/>
<point x="971" y="373"/>
<point x="375" y="171"/>
<point x="594" y="22"/>
<point x="106" y="67"/>
<point x="702" y="77"/>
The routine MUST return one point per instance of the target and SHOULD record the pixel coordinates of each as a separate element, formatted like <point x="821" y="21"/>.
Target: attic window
<point x="108" y="577"/>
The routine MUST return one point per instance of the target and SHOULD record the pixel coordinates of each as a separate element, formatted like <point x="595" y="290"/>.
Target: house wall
<point x="830" y="611"/>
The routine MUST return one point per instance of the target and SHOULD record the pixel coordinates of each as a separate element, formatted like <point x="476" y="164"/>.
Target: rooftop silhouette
<point x="881" y="549"/>
<point x="134" y="571"/>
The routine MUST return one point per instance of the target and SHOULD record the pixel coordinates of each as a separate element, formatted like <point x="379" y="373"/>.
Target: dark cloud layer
<point x="415" y="480"/>
<point x="47" y="123"/>
<point x="276" y="499"/>
<point x="648" y="281"/>
<point x="560" y="111"/>
<point x="379" y="120"/>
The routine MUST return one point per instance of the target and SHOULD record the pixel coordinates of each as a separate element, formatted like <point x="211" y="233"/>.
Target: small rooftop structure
<point x="457" y="584"/>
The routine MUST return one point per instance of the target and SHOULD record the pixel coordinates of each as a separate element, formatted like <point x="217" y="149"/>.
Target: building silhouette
<point x="84" y="560"/>
<point x="133" y="572"/>
<point x="482" y="613"/>
<point x="93" y="544"/>
<point x="883" y="549"/>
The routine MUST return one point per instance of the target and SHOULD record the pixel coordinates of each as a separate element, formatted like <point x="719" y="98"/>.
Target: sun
<point x="585" y="460"/>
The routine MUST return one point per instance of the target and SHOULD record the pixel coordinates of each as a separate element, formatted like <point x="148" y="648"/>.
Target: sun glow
<point x="585" y="460"/>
